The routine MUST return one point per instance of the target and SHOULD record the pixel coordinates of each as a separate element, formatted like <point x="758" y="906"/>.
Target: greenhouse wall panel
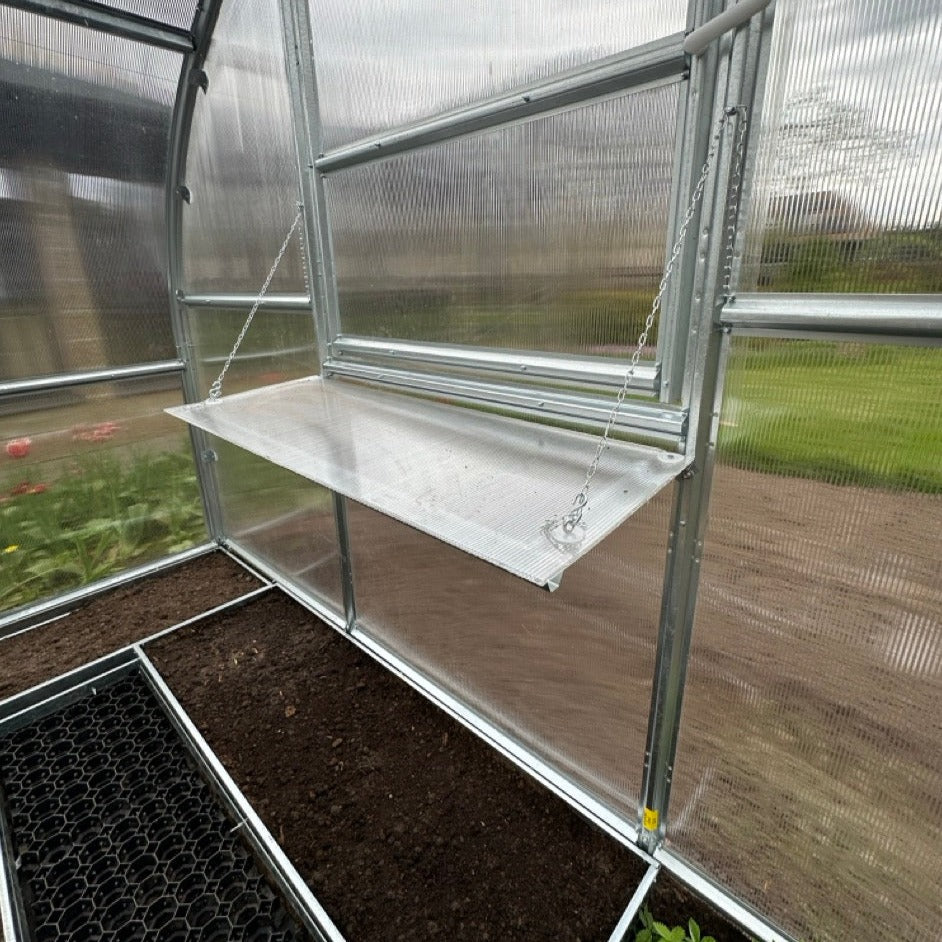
<point x="848" y="195"/>
<point x="385" y="64"/>
<point x="93" y="480"/>
<point x="809" y="771"/>
<point x="242" y="171"/>
<point x="516" y="238"/>
<point x="83" y="268"/>
<point x="568" y="674"/>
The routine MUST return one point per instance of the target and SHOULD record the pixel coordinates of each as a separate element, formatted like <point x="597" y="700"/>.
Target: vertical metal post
<point x="192" y="79"/>
<point x="728" y="74"/>
<point x="319" y="259"/>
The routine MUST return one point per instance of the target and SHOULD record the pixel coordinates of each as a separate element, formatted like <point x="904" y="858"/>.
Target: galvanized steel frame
<point x="41" y="384"/>
<point x="647" y="66"/>
<point x="877" y="317"/>
<point x="192" y="79"/>
<point x="730" y="73"/>
<point x="319" y="259"/>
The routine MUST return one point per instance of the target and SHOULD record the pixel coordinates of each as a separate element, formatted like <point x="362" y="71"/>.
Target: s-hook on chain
<point x="215" y="391"/>
<point x="567" y="531"/>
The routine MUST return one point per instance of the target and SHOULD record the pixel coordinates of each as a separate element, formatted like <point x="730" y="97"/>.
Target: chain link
<point x="572" y="518"/>
<point x="215" y="391"/>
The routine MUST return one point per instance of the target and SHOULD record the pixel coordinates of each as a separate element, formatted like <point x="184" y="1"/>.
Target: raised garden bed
<point x="405" y="824"/>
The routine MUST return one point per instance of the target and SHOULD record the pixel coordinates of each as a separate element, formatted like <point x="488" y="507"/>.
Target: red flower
<point x="19" y="447"/>
<point x="39" y="489"/>
<point x="22" y="488"/>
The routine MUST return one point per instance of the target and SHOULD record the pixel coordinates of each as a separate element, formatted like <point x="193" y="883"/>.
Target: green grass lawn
<point x="847" y="413"/>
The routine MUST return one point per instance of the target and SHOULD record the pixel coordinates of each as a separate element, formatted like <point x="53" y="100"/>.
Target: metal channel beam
<point x="192" y="79"/>
<point x="654" y="420"/>
<point x="654" y="63"/>
<point x="30" y="616"/>
<point x="890" y="315"/>
<point x="253" y="828"/>
<point x="729" y="73"/>
<point x="108" y="20"/>
<point x="40" y="384"/>
<point x="319" y="259"/>
<point x="755" y="925"/>
<point x="593" y="371"/>
<point x="279" y="302"/>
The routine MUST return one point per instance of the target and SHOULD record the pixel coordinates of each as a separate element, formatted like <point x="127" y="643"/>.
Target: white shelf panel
<point x="484" y="483"/>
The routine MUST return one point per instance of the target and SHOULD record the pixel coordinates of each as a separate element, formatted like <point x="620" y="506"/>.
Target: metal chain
<point x="215" y="391"/>
<point x="572" y="518"/>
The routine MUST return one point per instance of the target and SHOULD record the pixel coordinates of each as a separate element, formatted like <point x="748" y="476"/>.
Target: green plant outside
<point x="651" y="930"/>
<point x="848" y="413"/>
<point x="100" y="516"/>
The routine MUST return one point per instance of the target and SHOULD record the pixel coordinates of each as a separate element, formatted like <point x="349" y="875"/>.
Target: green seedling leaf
<point x="694" y="931"/>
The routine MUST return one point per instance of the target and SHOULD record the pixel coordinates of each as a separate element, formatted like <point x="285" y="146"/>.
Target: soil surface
<point x="404" y="823"/>
<point x="119" y="618"/>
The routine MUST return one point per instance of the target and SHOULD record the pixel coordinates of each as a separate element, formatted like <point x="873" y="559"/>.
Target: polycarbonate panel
<point x="809" y="773"/>
<point x="278" y="346"/>
<point x="548" y="235"/>
<point x="82" y="166"/>
<point x="93" y="480"/>
<point x="241" y="167"/>
<point x="568" y="674"/>
<point x="172" y="12"/>
<point x="381" y="64"/>
<point x="283" y="519"/>
<point x="484" y="483"/>
<point x="848" y="189"/>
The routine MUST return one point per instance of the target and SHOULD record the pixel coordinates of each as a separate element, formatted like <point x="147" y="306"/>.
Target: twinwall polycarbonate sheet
<point x="809" y="773"/>
<point x="282" y="518"/>
<point x="548" y="235"/>
<point x="241" y="167"/>
<point x="568" y="674"/>
<point x="279" y="346"/>
<point x="172" y="12"/>
<point x="93" y="480"/>
<point x="382" y="64"/>
<point x="484" y="483"/>
<point x="83" y="266"/>
<point x="848" y="191"/>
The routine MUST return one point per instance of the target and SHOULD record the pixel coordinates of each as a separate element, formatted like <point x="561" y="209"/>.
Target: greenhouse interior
<point x="471" y="470"/>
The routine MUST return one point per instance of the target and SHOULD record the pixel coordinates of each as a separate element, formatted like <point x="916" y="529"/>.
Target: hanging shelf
<point x="486" y="484"/>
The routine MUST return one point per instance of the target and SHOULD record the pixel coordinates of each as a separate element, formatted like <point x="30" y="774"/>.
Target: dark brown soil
<point x="119" y="618"/>
<point x="406" y="825"/>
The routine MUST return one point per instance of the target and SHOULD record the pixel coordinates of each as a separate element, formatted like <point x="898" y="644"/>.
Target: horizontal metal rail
<point x="651" y="420"/>
<point x="891" y="315"/>
<point x="39" y="384"/>
<point x="108" y="20"/>
<point x="253" y="828"/>
<point x="29" y="616"/>
<point x="731" y="18"/>
<point x="281" y="302"/>
<point x="754" y="924"/>
<point x="594" y="371"/>
<point x="654" y="63"/>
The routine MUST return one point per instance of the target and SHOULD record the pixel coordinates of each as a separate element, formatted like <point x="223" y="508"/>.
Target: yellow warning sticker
<point x="651" y="819"/>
